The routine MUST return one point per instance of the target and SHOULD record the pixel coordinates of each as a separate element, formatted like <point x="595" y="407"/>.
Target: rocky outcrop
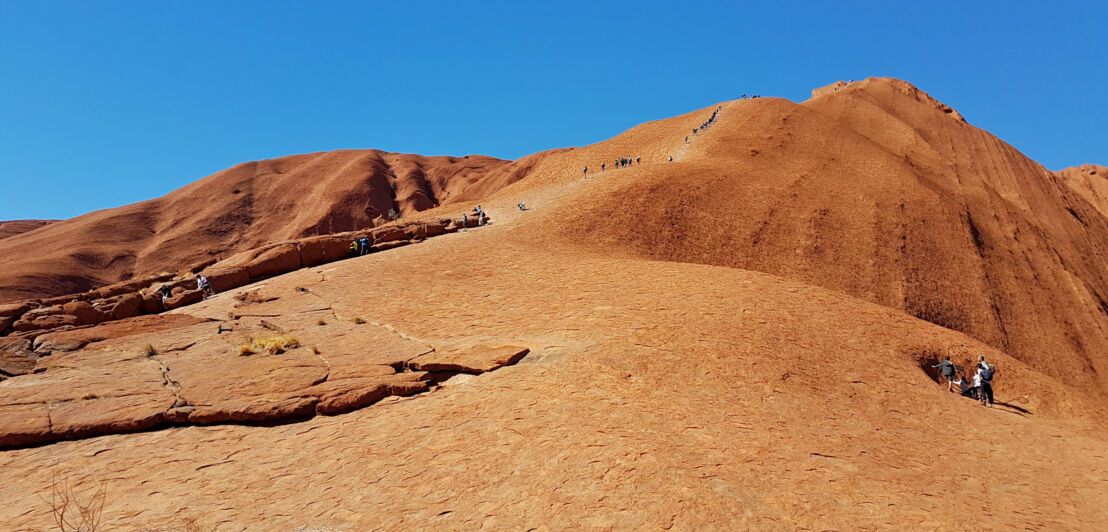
<point x="109" y="379"/>
<point x="137" y="297"/>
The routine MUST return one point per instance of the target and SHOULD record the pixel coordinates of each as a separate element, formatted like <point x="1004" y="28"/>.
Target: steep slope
<point x="879" y="191"/>
<point x="656" y="395"/>
<point x="18" y="227"/>
<point x="1091" y="182"/>
<point x="239" y="208"/>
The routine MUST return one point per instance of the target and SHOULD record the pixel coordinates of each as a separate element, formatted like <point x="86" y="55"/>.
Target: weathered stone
<point x="226" y="278"/>
<point x="129" y="305"/>
<point x="85" y="313"/>
<point x="382" y="235"/>
<point x="391" y="244"/>
<point x="183" y="298"/>
<point x="14" y="310"/>
<point x="323" y="249"/>
<point x="470" y="359"/>
<point x="274" y="261"/>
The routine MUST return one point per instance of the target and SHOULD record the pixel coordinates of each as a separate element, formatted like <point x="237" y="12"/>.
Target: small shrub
<point x="321" y="322"/>
<point x="88" y="396"/>
<point x="273" y="345"/>
<point x="358" y="320"/>
<point x="315" y="349"/>
<point x="150" y="350"/>
<point x="393" y="214"/>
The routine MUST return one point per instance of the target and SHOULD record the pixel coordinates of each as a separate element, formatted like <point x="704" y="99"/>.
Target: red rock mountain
<point x="239" y="208"/>
<point x="736" y="332"/>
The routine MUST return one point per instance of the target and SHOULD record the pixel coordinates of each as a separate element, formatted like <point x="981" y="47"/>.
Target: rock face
<point x="101" y="380"/>
<point x="250" y="205"/>
<point x="113" y="303"/>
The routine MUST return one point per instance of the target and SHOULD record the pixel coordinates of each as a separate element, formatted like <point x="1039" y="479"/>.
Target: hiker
<point x="602" y="168"/>
<point x="204" y="286"/>
<point x="363" y="242"/>
<point x="986" y="391"/>
<point x="671" y="158"/>
<point x="638" y="160"/>
<point x="353" y="248"/>
<point x="522" y="205"/>
<point x="686" y="139"/>
<point x="586" y="172"/>
<point x="480" y="215"/>
<point x="465" y="221"/>
<point x="947" y="372"/>
<point x="964" y="387"/>
<point x="166" y="293"/>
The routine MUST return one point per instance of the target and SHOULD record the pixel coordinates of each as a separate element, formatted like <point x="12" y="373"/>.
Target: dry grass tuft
<point x="70" y="512"/>
<point x="321" y="322"/>
<point x="315" y="349"/>
<point x="88" y="396"/>
<point x="358" y="320"/>
<point x="273" y="345"/>
<point x="150" y="350"/>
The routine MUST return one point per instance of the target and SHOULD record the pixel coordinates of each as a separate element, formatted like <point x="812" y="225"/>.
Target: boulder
<point x="323" y="249"/>
<point x="226" y="278"/>
<point x="151" y="304"/>
<point x="16" y="363"/>
<point x="129" y="305"/>
<point x="53" y="321"/>
<point x="382" y="235"/>
<point x="274" y="261"/>
<point x="24" y="424"/>
<point x="184" y="297"/>
<point x="14" y="310"/>
<point x="85" y="313"/>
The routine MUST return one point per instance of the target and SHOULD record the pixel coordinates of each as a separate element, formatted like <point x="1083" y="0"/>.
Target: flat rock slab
<point x="469" y="359"/>
<point x="177" y="369"/>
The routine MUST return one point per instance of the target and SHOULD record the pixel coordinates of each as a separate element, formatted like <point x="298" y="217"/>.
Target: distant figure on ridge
<point x="671" y="158"/>
<point x="522" y="205"/>
<point x="586" y="172"/>
<point x="465" y="221"/>
<point x="602" y="168"/>
<point x="638" y="160"/>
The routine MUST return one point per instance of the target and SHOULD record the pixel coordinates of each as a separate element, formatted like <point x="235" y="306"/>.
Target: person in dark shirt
<point x="947" y="371"/>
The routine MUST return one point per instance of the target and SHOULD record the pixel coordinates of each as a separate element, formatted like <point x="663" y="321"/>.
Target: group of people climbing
<point x="622" y="162"/>
<point x="479" y="213"/>
<point x="711" y="120"/>
<point x="360" y="246"/>
<point x="982" y="383"/>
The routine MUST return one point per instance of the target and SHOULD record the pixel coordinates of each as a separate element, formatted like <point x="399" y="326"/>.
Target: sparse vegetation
<point x="315" y="349"/>
<point x="88" y="396"/>
<point x="149" y="350"/>
<point x="358" y="320"/>
<point x="273" y="345"/>
<point x="70" y="513"/>
<point x="393" y="214"/>
<point x="321" y="322"/>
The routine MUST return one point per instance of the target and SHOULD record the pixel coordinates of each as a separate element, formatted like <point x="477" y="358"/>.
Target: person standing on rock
<point x="465" y="221"/>
<point x="638" y="160"/>
<point x="363" y="242"/>
<point x="585" y="174"/>
<point x="947" y="371"/>
<point x="166" y="293"/>
<point x="986" y="391"/>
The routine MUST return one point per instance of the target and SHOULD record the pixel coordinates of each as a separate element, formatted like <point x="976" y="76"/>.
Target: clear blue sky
<point x="108" y="103"/>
